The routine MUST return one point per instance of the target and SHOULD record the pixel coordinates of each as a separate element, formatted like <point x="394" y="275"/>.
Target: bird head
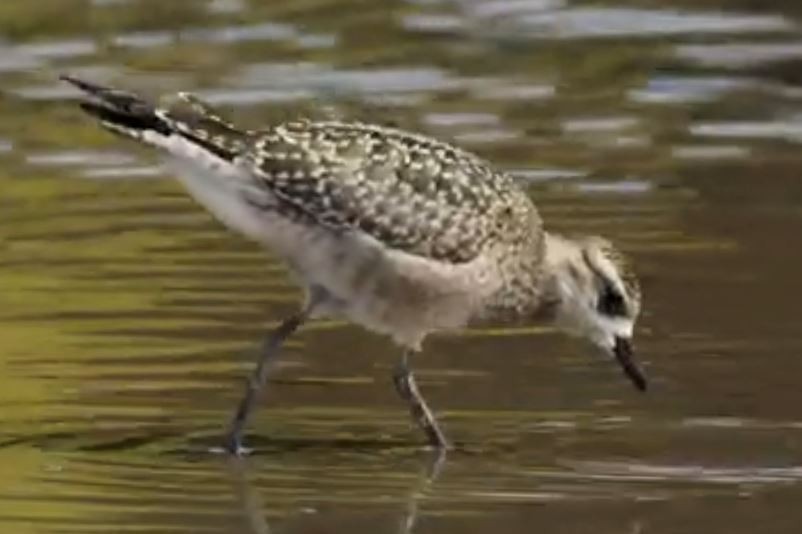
<point x="596" y="296"/>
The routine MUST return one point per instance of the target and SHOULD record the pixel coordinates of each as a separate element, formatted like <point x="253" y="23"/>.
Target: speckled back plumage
<point x="410" y="192"/>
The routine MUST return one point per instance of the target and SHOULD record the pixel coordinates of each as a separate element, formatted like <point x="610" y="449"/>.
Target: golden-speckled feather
<point x="411" y="192"/>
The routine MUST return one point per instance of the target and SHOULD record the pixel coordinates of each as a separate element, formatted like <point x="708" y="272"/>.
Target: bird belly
<point x="385" y="290"/>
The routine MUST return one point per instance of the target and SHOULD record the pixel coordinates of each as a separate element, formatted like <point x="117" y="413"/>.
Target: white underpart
<point x="382" y="289"/>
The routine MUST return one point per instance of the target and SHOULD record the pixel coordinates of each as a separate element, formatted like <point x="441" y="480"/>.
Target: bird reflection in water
<point x="253" y="511"/>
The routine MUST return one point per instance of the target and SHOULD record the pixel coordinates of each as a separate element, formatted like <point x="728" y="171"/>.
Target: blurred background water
<point x="128" y="316"/>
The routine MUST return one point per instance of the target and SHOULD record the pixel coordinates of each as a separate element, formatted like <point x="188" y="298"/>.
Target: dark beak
<point x="623" y="353"/>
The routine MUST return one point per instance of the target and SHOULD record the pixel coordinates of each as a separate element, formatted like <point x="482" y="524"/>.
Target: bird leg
<point x="270" y="349"/>
<point x="405" y="384"/>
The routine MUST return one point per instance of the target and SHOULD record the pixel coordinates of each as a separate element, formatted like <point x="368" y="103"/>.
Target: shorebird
<point x="400" y="233"/>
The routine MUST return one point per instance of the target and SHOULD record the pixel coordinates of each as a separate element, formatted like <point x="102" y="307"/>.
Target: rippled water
<point x="129" y="316"/>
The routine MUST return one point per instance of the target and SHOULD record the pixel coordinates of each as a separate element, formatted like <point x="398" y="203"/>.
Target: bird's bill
<point x="623" y="354"/>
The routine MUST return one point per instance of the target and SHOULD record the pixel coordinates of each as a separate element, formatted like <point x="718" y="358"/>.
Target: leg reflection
<point x="248" y="499"/>
<point x="431" y="471"/>
<point x="253" y="513"/>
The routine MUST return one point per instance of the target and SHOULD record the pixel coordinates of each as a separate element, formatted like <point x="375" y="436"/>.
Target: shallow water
<point x="129" y="317"/>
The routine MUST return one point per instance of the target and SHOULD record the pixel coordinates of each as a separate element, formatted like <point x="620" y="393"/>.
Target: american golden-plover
<point x="397" y="232"/>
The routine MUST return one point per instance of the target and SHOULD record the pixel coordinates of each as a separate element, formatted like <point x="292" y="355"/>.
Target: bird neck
<point x="560" y="252"/>
<point x="520" y="276"/>
<point x="562" y="261"/>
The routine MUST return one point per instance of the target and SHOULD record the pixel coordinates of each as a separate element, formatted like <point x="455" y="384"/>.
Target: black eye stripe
<point x="611" y="302"/>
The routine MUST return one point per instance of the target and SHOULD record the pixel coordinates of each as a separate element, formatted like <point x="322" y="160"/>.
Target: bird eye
<point x="611" y="303"/>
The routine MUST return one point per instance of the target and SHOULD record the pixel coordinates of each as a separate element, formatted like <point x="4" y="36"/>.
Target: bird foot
<point x="232" y="446"/>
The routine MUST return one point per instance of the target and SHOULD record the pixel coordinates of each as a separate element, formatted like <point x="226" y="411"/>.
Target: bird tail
<point x="185" y="119"/>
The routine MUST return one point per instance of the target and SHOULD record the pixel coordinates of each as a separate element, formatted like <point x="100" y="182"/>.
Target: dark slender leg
<point x="405" y="384"/>
<point x="270" y="349"/>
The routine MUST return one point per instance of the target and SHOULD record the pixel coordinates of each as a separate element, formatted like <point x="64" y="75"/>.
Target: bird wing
<point x="410" y="192"/>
